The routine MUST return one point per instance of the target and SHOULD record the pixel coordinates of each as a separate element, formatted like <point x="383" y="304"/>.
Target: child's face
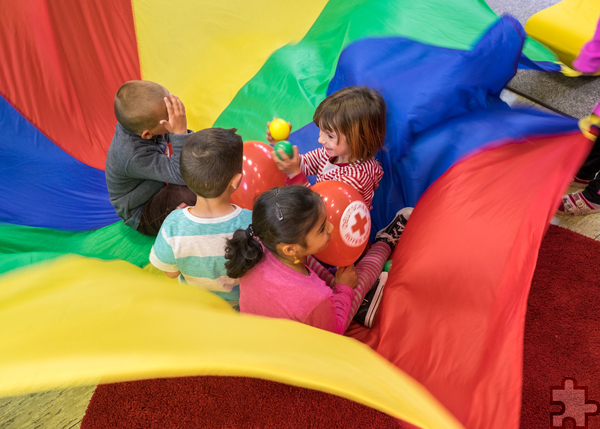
<point x="319" y="236"/>
<point x="334" y="144"/>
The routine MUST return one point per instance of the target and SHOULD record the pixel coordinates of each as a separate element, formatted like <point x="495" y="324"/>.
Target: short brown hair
<point x="359" y="114"/>
<point x="209" y="159"/>
<point x="140" y="105"/>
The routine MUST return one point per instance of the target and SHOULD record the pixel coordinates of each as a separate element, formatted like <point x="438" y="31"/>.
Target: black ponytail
<point x="243" y="252"/>
<point x="280" y="215"/>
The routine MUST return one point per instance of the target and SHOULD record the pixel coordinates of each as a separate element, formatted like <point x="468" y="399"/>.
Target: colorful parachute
<point x="485" y="180"/>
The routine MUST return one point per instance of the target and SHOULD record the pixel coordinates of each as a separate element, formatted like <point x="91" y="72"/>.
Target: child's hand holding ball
<point x="286" y="147"/>
<point x="278" y="130"/>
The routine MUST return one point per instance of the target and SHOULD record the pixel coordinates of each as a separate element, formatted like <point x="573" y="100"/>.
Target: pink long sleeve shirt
<point x="274" y="290"/>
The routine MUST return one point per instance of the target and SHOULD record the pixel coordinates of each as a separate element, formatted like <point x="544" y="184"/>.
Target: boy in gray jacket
<point x="144" y="182"/>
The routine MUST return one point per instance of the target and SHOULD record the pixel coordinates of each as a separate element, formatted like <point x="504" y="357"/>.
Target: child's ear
<point x="236" y="181"/>
<point x="289" y="250"/>
<point x="146" y="135"/>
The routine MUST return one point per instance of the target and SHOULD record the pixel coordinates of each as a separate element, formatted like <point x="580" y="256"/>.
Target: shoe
<point x="368" y="308"/>
<point x="391" y="233"/>
<point x="577" y="205"/>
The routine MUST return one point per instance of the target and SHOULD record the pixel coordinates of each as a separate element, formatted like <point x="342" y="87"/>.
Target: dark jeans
<point x="592" y="163"/>
<point x="160" y="205"/>
<point x="591" y="191"/>
<point x="588" y="171"/>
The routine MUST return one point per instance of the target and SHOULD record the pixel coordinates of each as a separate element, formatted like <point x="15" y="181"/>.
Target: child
<point x="137" y="166"/>
<point x="279" y="276"/>
<point x="587" y="201"/>
<point x="191" y="242"/>
<point x="352" y="129"/>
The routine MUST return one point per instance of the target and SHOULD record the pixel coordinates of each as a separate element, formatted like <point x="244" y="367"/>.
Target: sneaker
<point x="391" y="233"/>
<point x="577" y="205"/>
<point x="368" y="308"/>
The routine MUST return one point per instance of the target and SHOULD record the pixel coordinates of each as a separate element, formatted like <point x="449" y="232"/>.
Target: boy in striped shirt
<point x="191" y="242"/>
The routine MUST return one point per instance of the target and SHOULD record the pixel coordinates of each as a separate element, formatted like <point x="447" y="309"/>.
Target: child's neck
<point x="209" y="208"/>
<point x="342" y="159"/>
<point x="299" y="267"/>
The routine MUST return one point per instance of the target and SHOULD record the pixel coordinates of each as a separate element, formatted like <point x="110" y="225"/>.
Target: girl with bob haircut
<point x="278" y="275"/>
<point x="352" y="129"/>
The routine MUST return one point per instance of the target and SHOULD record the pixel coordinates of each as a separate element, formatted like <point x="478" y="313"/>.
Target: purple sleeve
<point x="332" y="313"/>
<point x="588" y="59"/>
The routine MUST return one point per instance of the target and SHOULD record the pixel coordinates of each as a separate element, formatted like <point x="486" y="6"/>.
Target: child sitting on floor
<point x="352" y="129"/>
<point x="280" y="278"/>
<point x="191" y="242"/>
<point x="137" y="163"/>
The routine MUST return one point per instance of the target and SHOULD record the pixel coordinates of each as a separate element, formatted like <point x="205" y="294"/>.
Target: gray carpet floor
<point x="572" y="96"/>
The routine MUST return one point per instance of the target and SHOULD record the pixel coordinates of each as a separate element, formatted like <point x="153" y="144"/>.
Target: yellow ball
<point x="280" y="130"/>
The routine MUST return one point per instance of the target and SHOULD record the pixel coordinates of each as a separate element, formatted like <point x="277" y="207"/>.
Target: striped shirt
<point x="196" y="247"/>
<point x="364" y="176"/>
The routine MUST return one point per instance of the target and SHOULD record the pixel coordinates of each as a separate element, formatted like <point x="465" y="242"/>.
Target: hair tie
<point x="249" y="231"/>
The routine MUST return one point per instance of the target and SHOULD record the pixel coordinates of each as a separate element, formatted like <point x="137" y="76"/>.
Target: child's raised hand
<point x="270" y="138"/>
<point x="346" y="276"/>
<point x="285" y="164"/>
<point x="177" y="122"/>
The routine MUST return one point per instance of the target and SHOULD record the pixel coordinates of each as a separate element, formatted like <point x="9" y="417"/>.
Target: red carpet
<point x="562" y="340"/>
<point x="224" y="402"/>
<point x="562" y="328"/>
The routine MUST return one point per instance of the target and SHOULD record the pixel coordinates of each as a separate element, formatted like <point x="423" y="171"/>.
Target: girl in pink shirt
<point x="278" y="275"/>
<point x="352" y="128"/>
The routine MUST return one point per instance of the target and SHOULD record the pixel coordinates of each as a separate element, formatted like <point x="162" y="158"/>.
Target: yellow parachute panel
<point x="79" y="321"/>
<point x="213" y="48"/>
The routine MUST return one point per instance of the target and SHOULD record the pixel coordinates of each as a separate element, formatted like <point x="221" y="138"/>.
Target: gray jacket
<point x="136" y="169"/>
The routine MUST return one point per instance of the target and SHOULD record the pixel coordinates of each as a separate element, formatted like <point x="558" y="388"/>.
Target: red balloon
<point x="260" y="174"/>
<point x="351" y="220"/>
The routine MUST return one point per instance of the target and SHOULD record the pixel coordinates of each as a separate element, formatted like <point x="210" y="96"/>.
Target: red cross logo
<point x="360" y="224"/>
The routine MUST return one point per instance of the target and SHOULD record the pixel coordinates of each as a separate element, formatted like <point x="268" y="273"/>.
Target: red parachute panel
<point x="51" y="64"/>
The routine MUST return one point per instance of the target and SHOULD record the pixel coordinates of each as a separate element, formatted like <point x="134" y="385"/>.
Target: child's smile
<point x="335" y="147"/>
